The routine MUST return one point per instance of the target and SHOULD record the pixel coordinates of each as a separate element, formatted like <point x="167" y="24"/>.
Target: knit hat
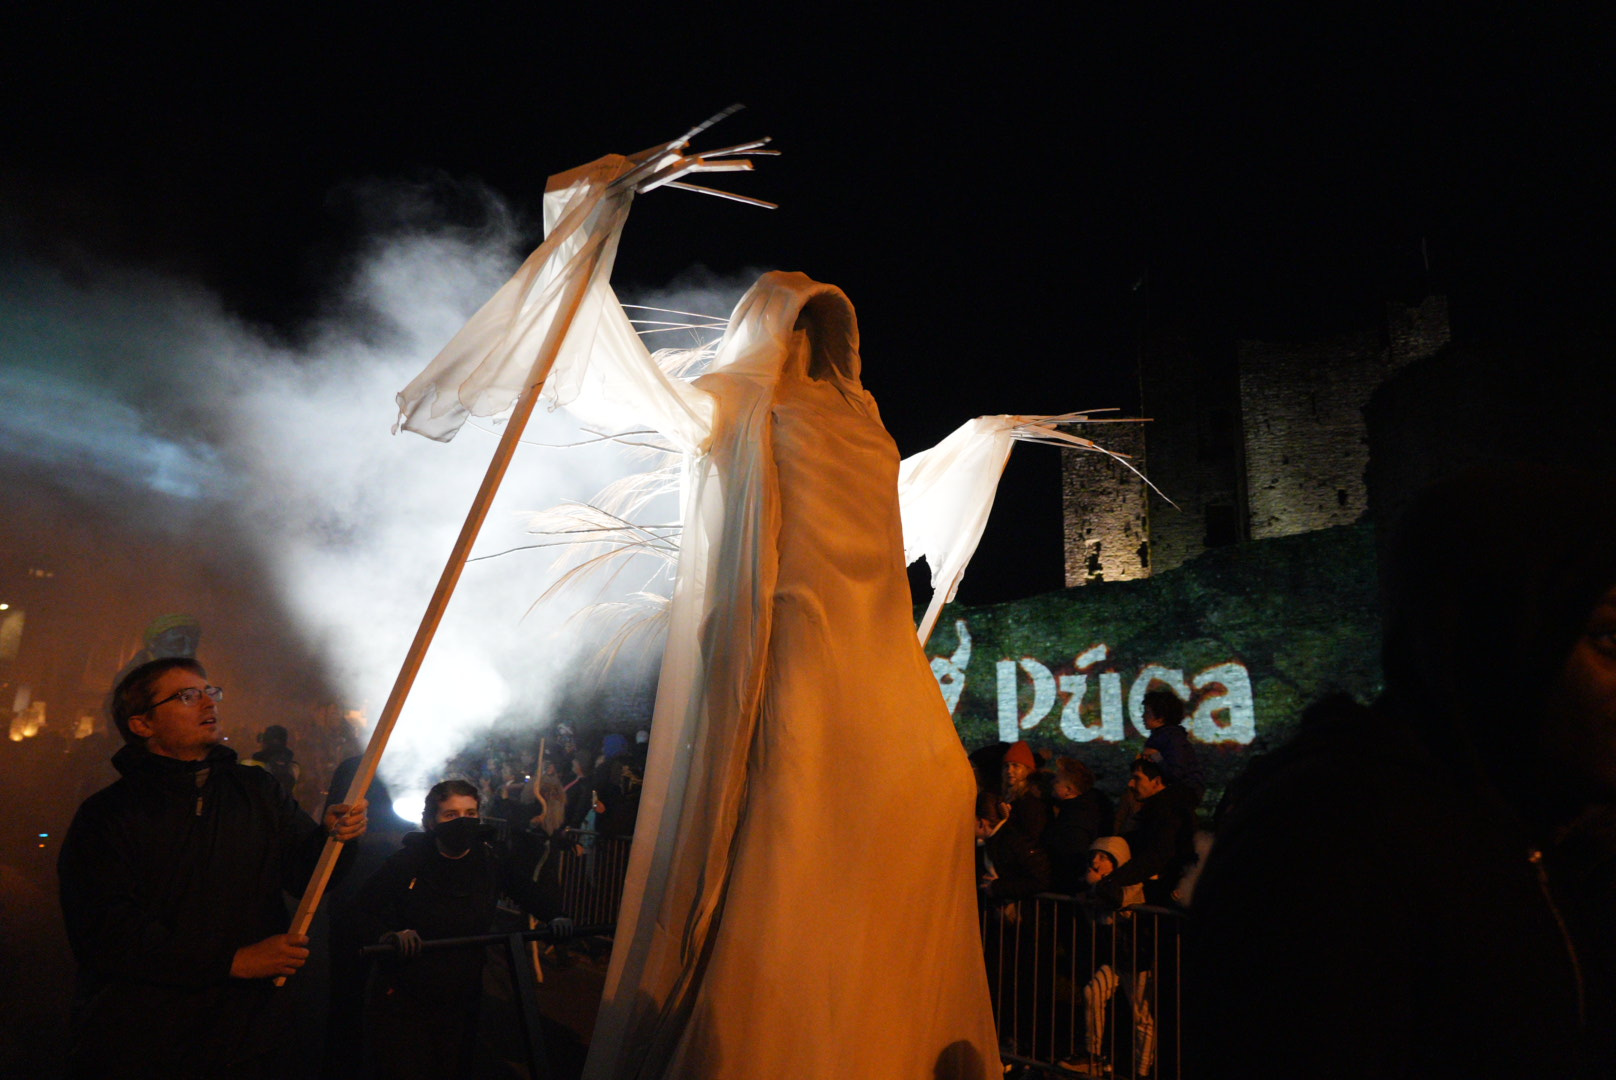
<point x="1022" y="753"/>
<point x="1114" y="846"/>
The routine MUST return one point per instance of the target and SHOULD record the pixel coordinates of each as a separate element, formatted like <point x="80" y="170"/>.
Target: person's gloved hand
<point x="560" y="928"/>
<point x="408" y="942"/>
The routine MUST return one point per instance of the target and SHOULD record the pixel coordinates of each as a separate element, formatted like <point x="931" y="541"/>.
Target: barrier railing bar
<point x="543" y="933"/>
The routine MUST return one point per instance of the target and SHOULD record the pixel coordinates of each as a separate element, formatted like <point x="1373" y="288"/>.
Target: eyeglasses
<point x="190" y="696"/>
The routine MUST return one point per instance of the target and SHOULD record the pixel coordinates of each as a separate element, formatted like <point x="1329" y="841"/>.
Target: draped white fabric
<point x="771" y="927"/>
<point x="801" y="897"/>
<point x="491" y="360"/>
<point x="946" y="493"/>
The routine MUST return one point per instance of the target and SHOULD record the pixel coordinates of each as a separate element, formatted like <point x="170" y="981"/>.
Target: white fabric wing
<point x="945" y="495"/>
<point x="510" y="343"/>
<point x="611" y="381"/>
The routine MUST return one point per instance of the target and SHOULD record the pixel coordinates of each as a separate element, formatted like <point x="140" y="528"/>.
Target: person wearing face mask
<point x="421" y="1007"/>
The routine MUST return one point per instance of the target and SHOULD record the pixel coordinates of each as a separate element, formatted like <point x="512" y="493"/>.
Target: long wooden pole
<point x="435" y="608"/>
<point x="637" y="178"/>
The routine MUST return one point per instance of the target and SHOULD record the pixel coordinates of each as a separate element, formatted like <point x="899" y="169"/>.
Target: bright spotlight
<point x="408" y="806"/>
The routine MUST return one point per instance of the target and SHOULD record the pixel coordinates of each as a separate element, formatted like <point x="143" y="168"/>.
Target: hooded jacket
<point x="419" y="889"/>
<point x="164" y="875"/>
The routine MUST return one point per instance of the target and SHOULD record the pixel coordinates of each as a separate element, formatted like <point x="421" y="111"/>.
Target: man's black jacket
<point x="1162" y="843"/>
<point x="162" y="880"/>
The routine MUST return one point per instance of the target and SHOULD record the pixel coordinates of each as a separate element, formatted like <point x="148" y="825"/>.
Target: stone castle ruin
<point x="1261" y="440"/>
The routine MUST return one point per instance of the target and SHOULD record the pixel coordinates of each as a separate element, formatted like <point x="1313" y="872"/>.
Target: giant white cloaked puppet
<point x="775" y="922"/>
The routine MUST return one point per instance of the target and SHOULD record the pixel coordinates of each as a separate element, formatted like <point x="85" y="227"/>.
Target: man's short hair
<point x="1074" y="772"/>
<point x="443" y="790"/>
<point x="134" y="692"/>
<point x="1165" y="705"/>
<point x="988" y="807"/>
<point x="1150" y="770"/>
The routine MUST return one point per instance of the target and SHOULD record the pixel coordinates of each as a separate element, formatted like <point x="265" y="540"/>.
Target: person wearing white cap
<point x="1107" y="855"/>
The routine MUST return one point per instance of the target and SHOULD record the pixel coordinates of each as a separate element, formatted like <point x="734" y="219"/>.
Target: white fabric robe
<point x="801" y="896"/>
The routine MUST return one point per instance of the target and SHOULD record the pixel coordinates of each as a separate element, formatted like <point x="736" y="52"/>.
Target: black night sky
<point x="1011" y="199"/>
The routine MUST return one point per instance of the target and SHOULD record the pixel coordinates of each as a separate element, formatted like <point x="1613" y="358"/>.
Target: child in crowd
<point x="1168" y="744"/>
<point x="1123" y="971"/>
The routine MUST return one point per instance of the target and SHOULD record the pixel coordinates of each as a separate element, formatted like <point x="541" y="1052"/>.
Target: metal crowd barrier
<point x="591" y="873"/>
<point x="524" y="982"/>
<point x="1084" y="993"/>
<point x="590" y="868"/>
<point x="1076" y="992"/>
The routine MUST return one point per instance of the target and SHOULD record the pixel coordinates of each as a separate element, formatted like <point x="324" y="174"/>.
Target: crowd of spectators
<point x="1485" y="796"/>
<point x="1041" y="819"/>
<point x="1044" y="827"/>
<point x="493" y="835"/>
<point x="585" y="784"/>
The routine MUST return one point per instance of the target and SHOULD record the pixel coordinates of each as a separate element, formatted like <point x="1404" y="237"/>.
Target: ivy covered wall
<point x="1248" y="635"/>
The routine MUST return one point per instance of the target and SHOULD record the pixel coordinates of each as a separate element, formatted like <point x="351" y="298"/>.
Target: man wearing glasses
<point x="172" y="885"/>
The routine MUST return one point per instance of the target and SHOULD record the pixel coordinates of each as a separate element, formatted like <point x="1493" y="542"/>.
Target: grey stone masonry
<point x="1106" y="515"/>
<point x="1306" y="445"/>
<point x="1414" y="333"/>
<point x="1250" y="441"/>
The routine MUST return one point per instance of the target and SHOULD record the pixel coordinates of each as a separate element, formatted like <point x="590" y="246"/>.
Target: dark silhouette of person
<point x="1378" y="900"/>
<point x="276" y="758"/>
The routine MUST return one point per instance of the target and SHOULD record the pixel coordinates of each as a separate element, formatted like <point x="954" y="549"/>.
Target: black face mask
<point x="456" y="837"/>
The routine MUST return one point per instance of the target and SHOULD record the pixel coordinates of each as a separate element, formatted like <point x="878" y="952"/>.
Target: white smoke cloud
<point x="103" y="436"/>
<point x="135" y="381"/>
